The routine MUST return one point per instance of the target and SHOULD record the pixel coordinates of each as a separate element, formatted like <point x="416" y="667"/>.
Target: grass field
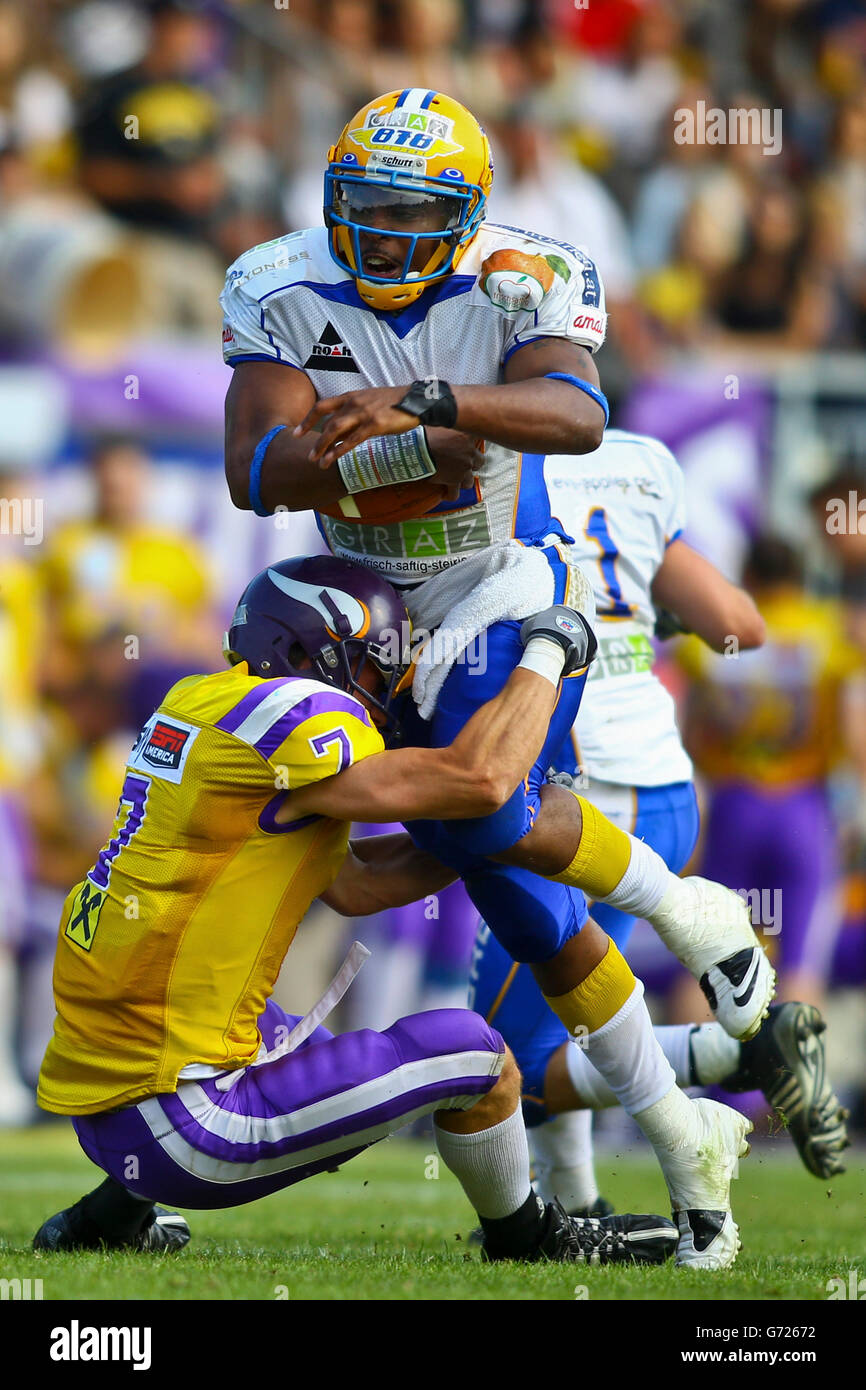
<point x="381" y="1229"/>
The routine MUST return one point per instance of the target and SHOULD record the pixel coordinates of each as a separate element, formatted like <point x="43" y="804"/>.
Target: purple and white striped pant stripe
<point x="231" y="1139"/>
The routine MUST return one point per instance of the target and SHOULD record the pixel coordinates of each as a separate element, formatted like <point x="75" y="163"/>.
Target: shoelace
<point x="586" y="1236"/>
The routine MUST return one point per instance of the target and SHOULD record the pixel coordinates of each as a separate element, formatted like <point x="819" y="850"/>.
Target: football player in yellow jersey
<point x="185" y="1081"/>
<point x="766" y="731"/>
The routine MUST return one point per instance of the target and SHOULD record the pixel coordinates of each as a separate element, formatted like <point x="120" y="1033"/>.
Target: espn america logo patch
<point x="163" y="747"/>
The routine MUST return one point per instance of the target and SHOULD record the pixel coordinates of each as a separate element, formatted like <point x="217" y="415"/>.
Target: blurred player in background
<point x="625" y="504"/>
<point x="184" y="1079"/>
<point x="129" y="603"/>
<point x="766" y="729"/>
<point x="21" y="640"/>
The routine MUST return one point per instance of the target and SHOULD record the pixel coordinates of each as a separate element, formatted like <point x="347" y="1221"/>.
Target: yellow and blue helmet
<point x="406" y="153"/>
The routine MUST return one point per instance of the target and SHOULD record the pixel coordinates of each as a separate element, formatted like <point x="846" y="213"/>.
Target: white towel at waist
<point x="508" y="581"/>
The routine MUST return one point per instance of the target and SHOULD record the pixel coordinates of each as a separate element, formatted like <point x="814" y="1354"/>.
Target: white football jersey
<point x="623" y="504"/>
<point x="287" y="301"/>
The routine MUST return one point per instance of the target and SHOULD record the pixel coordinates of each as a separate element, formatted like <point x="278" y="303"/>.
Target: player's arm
<point x="477" y="773"/>
<point x="384" y="871"/>
<point x="526" y="412"/>
<point x="264" y="395"/>
<point x="704" y="601"/>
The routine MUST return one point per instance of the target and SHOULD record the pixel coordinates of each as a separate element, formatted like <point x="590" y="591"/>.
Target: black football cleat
<point x="70" y="1229"/>
<point x="786" y="1060"/>
<point x="600" y="1207"/>
<point x="606" y="1240"/>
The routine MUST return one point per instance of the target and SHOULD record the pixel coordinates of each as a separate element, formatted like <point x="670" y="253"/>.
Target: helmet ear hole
<point x="297" y="655"/>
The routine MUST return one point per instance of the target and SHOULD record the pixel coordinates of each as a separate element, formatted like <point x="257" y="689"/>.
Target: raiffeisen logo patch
<point x="418" y="132"/>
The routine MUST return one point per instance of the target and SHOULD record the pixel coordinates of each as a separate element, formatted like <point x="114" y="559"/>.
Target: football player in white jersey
<point x="625" y="506"/>
<point x="402" y="290"/>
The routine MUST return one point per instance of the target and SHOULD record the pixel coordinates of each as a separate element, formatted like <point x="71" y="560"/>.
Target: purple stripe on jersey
<point x="386" y="1112"/>
<point x="325" y="703"/>
<point x="250" y="702"/>
<point x="321" y="1068"/>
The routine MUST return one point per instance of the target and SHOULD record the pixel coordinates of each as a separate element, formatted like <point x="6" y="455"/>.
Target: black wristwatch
<point x="432" y="401"/>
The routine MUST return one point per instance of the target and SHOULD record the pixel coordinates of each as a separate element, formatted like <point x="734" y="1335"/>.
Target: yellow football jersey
<point x="170" y="947"/>
<point x="140" y="576"/>
<point x="21" y="641"/>
<point x="771" y="716"/>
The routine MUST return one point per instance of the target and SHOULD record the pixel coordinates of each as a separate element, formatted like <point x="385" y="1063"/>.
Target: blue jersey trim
<point x="675" y="537"/>
<point x="400" y="323"/>
<point x="403" y="95"/>
<point x="261" y="357"/>
<point x="427" y="100"/>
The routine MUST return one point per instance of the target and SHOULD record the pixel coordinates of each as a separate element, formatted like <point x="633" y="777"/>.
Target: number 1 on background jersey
<point x="596" y="529"/>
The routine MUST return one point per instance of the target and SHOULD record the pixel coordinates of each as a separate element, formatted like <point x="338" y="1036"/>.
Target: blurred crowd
<point x="143" y="146"/>
<point x="198" y="129"/>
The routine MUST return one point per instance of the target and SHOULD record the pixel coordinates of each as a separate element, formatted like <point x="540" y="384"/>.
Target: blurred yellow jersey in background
<point x="772" y="716"/>
<point x="170" y="947"/>
<point x="142" y="577"/>
<point x="21" y="644"/>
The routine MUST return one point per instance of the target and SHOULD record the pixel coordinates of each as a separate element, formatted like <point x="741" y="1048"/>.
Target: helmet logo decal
<point x="310" y="595"/>
<point x="418" y="132"/>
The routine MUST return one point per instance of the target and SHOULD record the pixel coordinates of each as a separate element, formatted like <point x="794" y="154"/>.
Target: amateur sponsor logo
<point x="77" y="1343"/>
<point x="421" y="132"/>
<point x="330" y="353"/>
<point x="589" y="321"/>
<point x="409" y="163"/>
<point x="163" y="747"/>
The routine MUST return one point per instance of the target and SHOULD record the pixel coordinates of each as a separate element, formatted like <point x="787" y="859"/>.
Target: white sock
<point x="644" y="883"/>
<point x="674" y="1043"/>
<point x="670" y="1123"/>
<point x="491" y="1166"/>
<point x="627" y="1054"/>
<point x="562" y="1157"/>
<point x="587" y="1081"/>
<point x="716" y="1054"/>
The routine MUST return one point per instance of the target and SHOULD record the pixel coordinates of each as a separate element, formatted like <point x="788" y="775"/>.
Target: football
<point x="395" y="502"/>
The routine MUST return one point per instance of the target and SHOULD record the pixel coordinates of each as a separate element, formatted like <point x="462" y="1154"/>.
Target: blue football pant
<point x="507" y="994"/>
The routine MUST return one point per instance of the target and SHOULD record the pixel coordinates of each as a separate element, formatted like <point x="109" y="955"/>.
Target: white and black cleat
<point x="708" y="927"/>
<point x="739" y="990"/>
<point x="707" y="1239"/>
<point x="699" y="1182"/>
<point x="787" y="1061"/>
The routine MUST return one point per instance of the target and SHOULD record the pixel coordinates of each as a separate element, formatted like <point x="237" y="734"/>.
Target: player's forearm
<point x="288" y="478"/>
<point x="473" y="776"/>
<point x="705" y="602"/>
<point x="535" y="416"/>
<point x="385" y="871"/>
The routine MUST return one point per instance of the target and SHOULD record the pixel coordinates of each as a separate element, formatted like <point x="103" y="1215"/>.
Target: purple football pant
<point x="233" y="1138"/>
<point x="781" y="847"/>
